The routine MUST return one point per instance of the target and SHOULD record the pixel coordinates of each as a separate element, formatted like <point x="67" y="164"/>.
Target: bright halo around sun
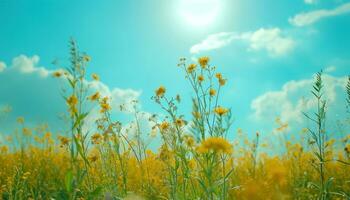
<point x="199" y="12"/>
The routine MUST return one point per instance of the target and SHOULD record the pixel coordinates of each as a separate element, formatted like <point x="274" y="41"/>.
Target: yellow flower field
<point x="195" y="159"/>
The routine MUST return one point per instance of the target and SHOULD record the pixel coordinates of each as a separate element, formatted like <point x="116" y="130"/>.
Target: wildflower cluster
<point x="199" y="156"/>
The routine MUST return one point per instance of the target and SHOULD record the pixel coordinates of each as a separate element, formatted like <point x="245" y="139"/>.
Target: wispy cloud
<point x="214" y="41"/>
<point x="272" y="40"/>
<point x="307" y="18"/>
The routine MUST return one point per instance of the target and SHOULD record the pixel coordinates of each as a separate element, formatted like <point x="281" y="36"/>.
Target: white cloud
<point x="32" y="92"/>
<point x="272" y="40"/>
<point x="26" y="64"/>
<point x="124" y="97"/>
<point x="294" y="98"/>
<point x="308" y="18"/>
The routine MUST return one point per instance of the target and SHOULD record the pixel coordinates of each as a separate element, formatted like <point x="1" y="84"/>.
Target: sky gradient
<point x="268" y="50"/>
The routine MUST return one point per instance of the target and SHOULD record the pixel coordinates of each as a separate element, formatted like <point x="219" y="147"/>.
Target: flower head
<point x="212" y="92"/>
<point x="72" y="100"/>
<point x="179" y="122"/>
<point x="95" y="96"/>
<point x="104" y="105"/>
<point x="95" y="77"/>
<point x="215" y="144"/>
<point x="200" y="78"/>
<point x="191" y="68"/>
<point x="203" y="61"/>
<point x="164" y="126"/>
<point x="57" y="74"/>
<point x="218" y="75"/>
<point x="160" y="91"/>
<point x="222" y="82"/>
<point x="87" y="58"/>
<point x="220" y="110"/>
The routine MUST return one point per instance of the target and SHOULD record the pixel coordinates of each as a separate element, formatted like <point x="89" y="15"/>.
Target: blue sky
<point x="269" y="51"/>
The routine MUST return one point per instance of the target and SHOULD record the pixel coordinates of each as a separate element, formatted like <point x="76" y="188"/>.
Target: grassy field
<point x="195" y="159"/>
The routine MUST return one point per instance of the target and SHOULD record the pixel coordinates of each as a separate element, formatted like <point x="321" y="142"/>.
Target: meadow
<point x="195" y="160"/>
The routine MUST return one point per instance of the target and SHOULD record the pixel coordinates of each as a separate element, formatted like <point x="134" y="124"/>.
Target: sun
<point x="199" y="12"/>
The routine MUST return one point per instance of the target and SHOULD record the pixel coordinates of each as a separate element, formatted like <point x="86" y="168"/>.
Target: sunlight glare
<point x="199" y="12"/>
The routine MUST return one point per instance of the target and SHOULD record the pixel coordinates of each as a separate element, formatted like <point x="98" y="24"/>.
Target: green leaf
<point x="80" y="118"/>
<point x="80" y="150"/>
<point x="69" y="181"/>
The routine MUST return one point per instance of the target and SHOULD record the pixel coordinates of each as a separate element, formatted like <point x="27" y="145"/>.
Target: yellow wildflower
<point x="164" y="126"/>
<point x="222" y="82"/>
<point x="220" y="110"/>
<point x="215" y="144"/>
<point x="87" y="58"/>
<point x="95" y="96"/>
<point x="179" y="122"/>
<point x="212" y="92"/>
<point x="72" y="100"/>
<point x="200" y="78"/>
<point x="160" y="91"/>
<point x="218" y="75"/>
<point x="105" y="105"/>
<point x="95" y="77"/>
<point x="191" y="68"/>
<point x="203" y="61"/>
<point x="57" y="74"/>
